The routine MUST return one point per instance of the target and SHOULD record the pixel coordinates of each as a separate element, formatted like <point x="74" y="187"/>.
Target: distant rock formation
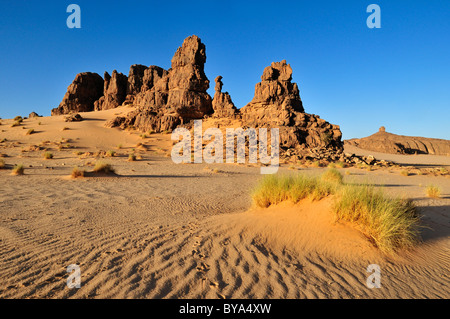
<point x="165" y="99"/>
<point x="81" y="94"/>
<point x="384" y="142"/>
<point x="277" y="103"/>
<point x="222" y="104"/>
<point x="34" y="114"/>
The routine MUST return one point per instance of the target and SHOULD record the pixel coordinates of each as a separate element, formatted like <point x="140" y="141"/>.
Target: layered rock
<point x="385" y="142"/>
<point x="222" y="104"/>
<point x="81" y="94"/>
<point x="169" y="98"/>
<point x="277" y="103"/>
<point x="114" y="91"/>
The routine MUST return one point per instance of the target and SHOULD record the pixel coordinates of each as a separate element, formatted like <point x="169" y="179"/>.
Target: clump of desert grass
<point x="433" y="191"/>
<point x="102" y="167"/>
<point x="333" y="175"/>
<point x="18" y="170"/>
<point x="48" y="155"/>
<point x="131" y="158"/>
<point x="2" y="164"/>
<point x="274" y="189"/>
<point x="404" y="173"/>
<point x="389" y="223"/>
<point x="65" y="128"/>
<point x="77" y="172"/>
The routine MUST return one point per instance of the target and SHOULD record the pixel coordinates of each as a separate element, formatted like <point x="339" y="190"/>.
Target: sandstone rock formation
<point x="34" y="114"/>
<point x="277" y="103"/>
<point x="222" y="104"/>
<point x="81" y="94"/>
<point x="165" y="99"/>
<point x="385" y="142"/>
<point x="114" y="91"/>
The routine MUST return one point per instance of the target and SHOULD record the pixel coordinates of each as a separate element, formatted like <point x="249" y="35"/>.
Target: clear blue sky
<point x="359" y="78"/>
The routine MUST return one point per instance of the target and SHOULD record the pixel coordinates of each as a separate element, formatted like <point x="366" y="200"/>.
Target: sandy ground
<point x="160" y="230"/>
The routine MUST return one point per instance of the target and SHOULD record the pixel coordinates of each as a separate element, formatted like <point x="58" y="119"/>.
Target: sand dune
<point x="160" y="230"/>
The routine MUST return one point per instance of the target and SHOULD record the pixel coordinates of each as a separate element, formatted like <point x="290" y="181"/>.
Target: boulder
<point x="81" y="94"/>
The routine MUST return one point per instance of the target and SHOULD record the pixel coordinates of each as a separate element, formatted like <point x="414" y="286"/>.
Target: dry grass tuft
<point x="333" y="175"/>
<point x="48" y="155"/>
<point x="77" y="172"/>
<point x="433" y="191"/>
<point x="18" y="170"/>
<point x="101" y="167"/>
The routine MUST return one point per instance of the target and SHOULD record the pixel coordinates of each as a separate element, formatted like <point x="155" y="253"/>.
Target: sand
<point x="161" y="230"/>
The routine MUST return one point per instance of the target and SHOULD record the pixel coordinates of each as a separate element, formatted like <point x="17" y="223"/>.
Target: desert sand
<point x="161" y="230"/>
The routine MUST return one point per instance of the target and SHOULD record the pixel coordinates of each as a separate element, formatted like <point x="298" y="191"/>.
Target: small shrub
<point x="101" y="167"/>
<point x="30" y="131"/>
<point x="18" y="119"/>
<point x="15" y="124"/>
<point x="110" y="153"/>
<point x="65" y="128"/>
<point x="131" y="158"/>
<point x="119" y="146"/>
<point x="143" y="136"/>
<point x="404" y="173"/>
<point x="2" y="163"/>
<point x="77" y="172"/>
<point x="433" y="191"/>
<point x="48" y="155"/>
<point x="18" y="170"/>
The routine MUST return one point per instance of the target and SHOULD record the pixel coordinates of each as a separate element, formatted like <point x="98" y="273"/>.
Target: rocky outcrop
<point x="81" y="94"/>
<point x="277" y="103"/>
<point x="114" y="91"/>
<point x="384" y="142"/>
<point x="34" y="114"/>
<point x="167" y="99"/>
<point x="222" y="104"/>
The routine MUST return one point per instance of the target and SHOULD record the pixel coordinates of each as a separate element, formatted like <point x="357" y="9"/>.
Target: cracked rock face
<point x="81" y="94"/>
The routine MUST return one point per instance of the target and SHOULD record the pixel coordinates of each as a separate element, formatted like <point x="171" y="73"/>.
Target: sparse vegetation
<point x="18" y="170"/>
<point x="16" y="123"/>
<point x="274" y="189"/>
<point x="18" y="119"/>
<point x="48" y="155"/>
<point x="110" y="153"/>
<point x="2" y="163"/>
<point x="30" y="131"/>
<point x="404" y="173"/>
<point x="101" y="167"/>
<point x="389" y="223"/>
<point x="332" y="175"/>
<point x="433" y="191"/>
<point x="131" y="158"/>
<point x="77" y="172"/>
<point x="65" y="128"/>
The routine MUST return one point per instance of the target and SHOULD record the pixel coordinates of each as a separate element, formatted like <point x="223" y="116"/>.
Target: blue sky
<point x="350" y="75"/>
